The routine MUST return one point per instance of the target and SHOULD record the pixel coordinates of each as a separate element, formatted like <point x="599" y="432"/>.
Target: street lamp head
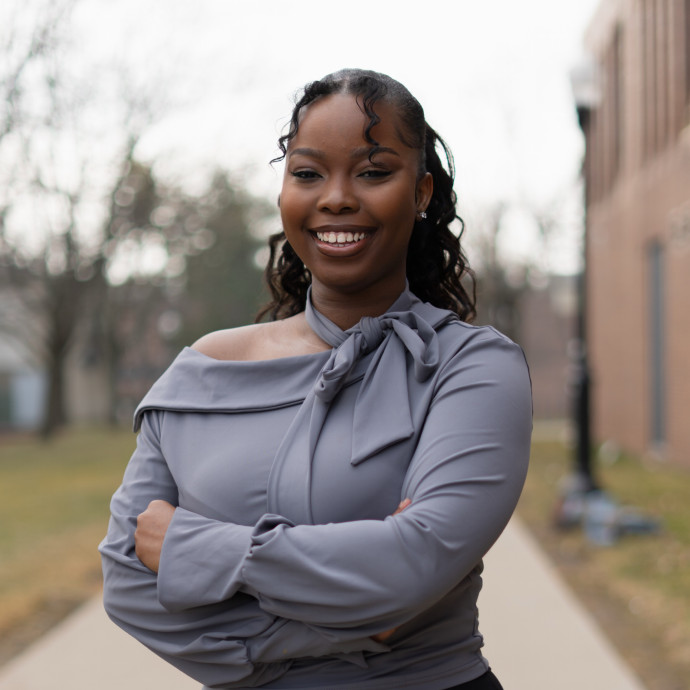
<point x="586" y="85"/>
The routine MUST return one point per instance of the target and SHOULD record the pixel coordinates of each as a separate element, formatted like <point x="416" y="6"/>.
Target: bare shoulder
<point x="271" y="340"/>
<point x="234" y="343"/>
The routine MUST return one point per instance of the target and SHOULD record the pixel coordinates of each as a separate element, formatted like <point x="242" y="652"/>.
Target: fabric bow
<point x="382" y="414"/>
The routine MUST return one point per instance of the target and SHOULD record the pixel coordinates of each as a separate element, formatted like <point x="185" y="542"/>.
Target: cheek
<point x="397" y="199"/>
<point x="397" y="209"/>
<point x="291" y="210"/>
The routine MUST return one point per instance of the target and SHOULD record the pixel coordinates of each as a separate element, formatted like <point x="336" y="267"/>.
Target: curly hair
<point x="437" y="269"/>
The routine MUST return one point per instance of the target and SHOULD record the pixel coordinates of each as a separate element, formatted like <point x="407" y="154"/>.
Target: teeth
<point x="340" y="237"/>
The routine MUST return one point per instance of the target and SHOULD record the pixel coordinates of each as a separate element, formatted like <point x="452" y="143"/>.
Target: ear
<point x="423" y="192"/>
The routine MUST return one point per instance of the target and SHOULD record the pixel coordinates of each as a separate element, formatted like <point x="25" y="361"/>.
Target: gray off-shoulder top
<point x="283" y="558"/>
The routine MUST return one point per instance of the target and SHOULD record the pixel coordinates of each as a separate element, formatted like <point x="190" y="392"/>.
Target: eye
<point x="305" y="174"/>
<point x="375" y="173"/>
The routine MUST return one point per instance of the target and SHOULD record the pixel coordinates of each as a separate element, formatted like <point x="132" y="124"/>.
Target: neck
<point x="346" y="309"/>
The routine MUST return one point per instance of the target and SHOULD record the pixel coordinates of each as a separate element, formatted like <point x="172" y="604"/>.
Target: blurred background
<point x="136" y="196"/>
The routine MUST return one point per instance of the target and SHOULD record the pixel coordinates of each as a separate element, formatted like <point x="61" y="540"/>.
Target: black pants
<point x="488" y="681"/>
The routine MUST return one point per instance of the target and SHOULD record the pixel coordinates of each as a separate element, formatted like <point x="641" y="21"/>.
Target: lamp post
<point x="581" y="485"/>
<point x="583" y="501"/>
<point x="585" y="84"/>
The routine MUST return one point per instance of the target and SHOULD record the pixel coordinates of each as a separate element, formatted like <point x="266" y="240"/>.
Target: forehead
<point x="340" y="119"/>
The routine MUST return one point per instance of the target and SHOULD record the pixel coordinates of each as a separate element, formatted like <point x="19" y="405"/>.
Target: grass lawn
<point x="638" y="589"/>
<point x="54" y="511"/>
<point x="54" y="501"/>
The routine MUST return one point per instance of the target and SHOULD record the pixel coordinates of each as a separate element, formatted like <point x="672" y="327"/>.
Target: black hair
<point x="437" y="269"/>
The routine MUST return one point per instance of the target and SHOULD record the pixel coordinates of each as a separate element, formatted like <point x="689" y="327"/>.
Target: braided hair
<point x="437" y="268"/>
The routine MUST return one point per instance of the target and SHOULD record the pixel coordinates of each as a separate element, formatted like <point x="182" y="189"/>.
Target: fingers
<point x="402" y="505"/>
<point x="382" y="637"/>
<point x="159" y="505"/>
<point x="152" y="526"/>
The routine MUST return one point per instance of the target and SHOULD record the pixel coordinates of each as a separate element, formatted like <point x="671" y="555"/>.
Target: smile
<point x="340" y="238"/>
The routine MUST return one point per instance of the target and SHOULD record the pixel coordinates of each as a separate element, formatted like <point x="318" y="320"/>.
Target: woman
<point x="311" y="498"/>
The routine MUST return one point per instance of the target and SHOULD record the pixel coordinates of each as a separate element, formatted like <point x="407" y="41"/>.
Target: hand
<point x="402" y="505"/>
<point x="382" y="637"/>
<point x="152" y="525"/>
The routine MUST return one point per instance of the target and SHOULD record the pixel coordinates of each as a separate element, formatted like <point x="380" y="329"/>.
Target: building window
<point x="662" y="50"/>
<point x="617" y="95"/>
<point x="657" y="364"/>
<point x="648" y="77"/>
<point x="686" y="50"/>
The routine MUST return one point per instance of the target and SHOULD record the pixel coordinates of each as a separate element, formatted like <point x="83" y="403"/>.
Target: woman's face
<point x="347" y="217"/>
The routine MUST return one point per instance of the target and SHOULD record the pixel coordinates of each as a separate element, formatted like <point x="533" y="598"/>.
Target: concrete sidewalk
<point x="537" y="635"/>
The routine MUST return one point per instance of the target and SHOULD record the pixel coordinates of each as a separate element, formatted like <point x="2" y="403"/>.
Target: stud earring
<point x="422" y="215"/>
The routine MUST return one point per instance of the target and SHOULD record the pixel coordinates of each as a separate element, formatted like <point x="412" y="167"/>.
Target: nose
<point x="338" y="196"/>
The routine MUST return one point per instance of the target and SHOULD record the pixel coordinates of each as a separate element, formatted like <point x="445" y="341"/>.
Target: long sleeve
<point x="364" y="576"/>
<point x="219" y="644"/>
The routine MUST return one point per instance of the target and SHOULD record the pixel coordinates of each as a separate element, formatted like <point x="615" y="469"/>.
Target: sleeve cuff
<point x="201" y="561"/>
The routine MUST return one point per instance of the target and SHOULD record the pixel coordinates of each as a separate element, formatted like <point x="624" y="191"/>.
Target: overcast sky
<point x="492" y="75"/>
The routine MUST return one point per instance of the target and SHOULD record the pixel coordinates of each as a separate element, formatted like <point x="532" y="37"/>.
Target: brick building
<point x="637" y="175"/>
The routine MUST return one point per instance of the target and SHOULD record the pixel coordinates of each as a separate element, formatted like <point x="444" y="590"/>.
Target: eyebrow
<point x="361" y="152"/>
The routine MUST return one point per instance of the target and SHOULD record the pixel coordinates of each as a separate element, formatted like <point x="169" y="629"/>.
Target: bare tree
<point x="28" y="33"/>
<point x="499" y="284"/>
<point x="55" y="169"/>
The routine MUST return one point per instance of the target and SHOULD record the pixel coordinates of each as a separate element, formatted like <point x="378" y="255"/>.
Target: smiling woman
<point x="394" y="147"/>
<point x="311" y="498"/>
<point x="335" y="185"/>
